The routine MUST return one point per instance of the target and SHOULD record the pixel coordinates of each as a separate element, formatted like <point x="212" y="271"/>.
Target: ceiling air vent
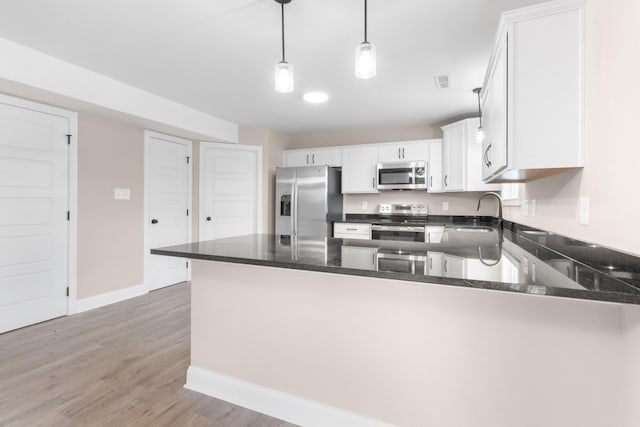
<point x="442" y="82"/>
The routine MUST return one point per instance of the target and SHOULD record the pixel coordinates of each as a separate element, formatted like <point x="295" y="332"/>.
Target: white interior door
<point x="230" y="190"/>
<point x="34" y="200"/>
<point x="168" y="207"/>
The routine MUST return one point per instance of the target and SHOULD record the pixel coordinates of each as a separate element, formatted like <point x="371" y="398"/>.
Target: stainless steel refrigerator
<point x="308" y="200"/>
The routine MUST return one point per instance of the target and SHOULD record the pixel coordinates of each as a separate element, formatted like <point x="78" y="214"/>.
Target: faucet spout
<point x="497" y="196"/>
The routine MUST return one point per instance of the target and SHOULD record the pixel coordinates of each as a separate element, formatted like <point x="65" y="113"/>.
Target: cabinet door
<point x="297" y="158"/>
<point x="434" y="263"/>
<point x="390" y="152"/>
<point x="415" y="151"/>
<point x="454" y="157"/>
<point x="453" y="266"/>
<point x="360" y="258"/>
<point x="494" y="147"/>
<point x="359" y="170"/>
<point x="474" y="180"/>
<point x="435" y="166"/>
<point x="326" y="157"/>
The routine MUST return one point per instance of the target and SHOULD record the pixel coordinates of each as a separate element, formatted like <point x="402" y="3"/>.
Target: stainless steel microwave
<point x="402" y="176"/>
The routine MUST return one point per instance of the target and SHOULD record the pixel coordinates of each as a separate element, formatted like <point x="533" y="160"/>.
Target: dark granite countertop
<point x="472" y="252"/>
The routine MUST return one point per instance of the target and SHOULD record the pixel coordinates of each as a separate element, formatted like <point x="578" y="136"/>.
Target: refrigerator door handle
<point x="294" y="208"/>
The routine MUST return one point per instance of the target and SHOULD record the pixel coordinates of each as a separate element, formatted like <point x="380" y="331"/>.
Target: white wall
<point x="612" y="108"/>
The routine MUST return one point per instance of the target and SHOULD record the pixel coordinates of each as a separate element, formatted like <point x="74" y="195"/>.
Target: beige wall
<point x="272" y="144"/>
<point x="364" y="136"/>
<point x="413" y="354"/>
<point x="612" y="109"/>
<point x="110" y="232"/>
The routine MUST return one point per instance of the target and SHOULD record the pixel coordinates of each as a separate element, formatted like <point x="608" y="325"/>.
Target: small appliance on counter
<point x="308" y="200"/>
<point x="402" y="176"/>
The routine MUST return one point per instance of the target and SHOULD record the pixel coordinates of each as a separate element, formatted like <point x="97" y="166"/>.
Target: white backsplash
<point x="459" y="203"/>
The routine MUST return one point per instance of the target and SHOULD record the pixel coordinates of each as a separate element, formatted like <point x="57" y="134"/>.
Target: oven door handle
<point x="401" y="228"/>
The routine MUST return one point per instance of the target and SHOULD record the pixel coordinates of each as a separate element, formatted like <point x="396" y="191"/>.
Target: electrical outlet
<point x="445" y="206"/>
<point x="365" y="205"/>
<point x="525" y="207"/>
<point x="532" y="208"/>
<point x="584" y="210"/>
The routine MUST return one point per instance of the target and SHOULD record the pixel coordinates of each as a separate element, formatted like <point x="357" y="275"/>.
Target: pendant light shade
<point x="283" y="70"/>
<point x="284" y="77"/>
<point x="365" y="54"/>
<point x="365" y="60"/>
<point x="480" y="132"/>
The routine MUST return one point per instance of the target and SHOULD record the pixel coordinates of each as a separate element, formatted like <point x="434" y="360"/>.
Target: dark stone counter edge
<point x="539" y="290"/>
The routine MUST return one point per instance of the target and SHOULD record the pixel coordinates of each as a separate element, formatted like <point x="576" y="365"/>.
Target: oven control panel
<point x="402" y="209"/>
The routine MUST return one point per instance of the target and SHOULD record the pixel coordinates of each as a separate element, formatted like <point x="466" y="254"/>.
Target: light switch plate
<point x="445" y="206"/>
<point x="365" y="205"/>
<point x="584" y="210"/>
<point x="121" y="193"/>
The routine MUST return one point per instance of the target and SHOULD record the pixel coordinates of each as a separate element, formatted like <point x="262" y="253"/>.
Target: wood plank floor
<point x="120" y="365"/>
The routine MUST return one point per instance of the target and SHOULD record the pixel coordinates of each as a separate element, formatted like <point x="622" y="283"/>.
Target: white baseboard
<point x="274" y="403"/>
<point x="86" y="304"/>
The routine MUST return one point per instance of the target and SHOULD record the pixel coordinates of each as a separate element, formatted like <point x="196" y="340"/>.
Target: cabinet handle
<point x="399" y="156"/>
<point x="446" y="184"/>
<point x="352" y="229"/>
<point x="307" y="159"/>
<point x="486" y="156"/>
<point x="403" y="153"/>
<point x="428" y="237"/>
<point x="445" y="265"/>
<point x="431" y="181"/>
<point x="313" y="158"/>
<point x="373" y="182"/>
<point x="430" y="263"/>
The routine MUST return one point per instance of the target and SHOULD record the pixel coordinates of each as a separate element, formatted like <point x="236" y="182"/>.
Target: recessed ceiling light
<point x="315" y="97"/>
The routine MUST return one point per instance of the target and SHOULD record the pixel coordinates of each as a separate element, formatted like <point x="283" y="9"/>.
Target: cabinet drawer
<point x="351" y="230"/>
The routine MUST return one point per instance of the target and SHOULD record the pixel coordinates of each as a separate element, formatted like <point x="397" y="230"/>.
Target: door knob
<point x="154" y="221"/>
<point x="208" y="218"/>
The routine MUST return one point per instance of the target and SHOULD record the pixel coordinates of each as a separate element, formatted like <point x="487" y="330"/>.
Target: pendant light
<point x="283" y="70"/>
<point x="480" y="133"/>
<point x="365" y="54"/>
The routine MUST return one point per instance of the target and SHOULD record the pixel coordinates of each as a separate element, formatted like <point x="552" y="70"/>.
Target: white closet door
<point x="34" y="187"/>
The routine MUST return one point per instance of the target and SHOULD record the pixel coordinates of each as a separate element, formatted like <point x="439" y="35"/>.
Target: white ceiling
<point x="218" y="56"/>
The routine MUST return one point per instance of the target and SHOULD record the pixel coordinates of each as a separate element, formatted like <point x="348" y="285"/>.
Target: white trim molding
<point x="72" y="86"/>
<point x="86" y="304"/>
<point x="274" y="403"/>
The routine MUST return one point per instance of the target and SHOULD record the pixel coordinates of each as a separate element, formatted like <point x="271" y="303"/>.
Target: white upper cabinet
<point x="408" y="151"/>
<point x="454" y="157"/>
<point x="435" y="166"/>
<point x="532" y="93"/>
<point x="462" y="158"/>
<point x="359" y="169"/>
<point x="315" y="156"/>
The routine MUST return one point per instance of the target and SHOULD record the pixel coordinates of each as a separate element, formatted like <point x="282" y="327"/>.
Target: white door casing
<point x="168" y="209"/>
<point x="230" y="190"/>
<point x="38" y="165"/>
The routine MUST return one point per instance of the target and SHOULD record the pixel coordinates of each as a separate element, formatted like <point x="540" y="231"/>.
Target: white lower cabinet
<point x="434" y="263"/>
<point x="358" y="257"/>
<point x="359" y="170"/>
<point x="453" y="266"/>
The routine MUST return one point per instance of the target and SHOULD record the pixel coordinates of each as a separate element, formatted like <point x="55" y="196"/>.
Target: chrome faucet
<point x="497" y="196"/>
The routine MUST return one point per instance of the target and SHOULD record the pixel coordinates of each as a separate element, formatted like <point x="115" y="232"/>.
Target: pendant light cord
<point x="282" y="20"/>
<point x="365" y="21"/>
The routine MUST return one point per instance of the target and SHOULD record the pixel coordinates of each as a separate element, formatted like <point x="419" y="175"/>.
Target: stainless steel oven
<point x="402" y="176"/>
<point x="407" y="233"/>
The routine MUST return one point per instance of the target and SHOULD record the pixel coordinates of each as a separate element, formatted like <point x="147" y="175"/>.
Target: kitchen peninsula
<point x="281" y="326"/>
